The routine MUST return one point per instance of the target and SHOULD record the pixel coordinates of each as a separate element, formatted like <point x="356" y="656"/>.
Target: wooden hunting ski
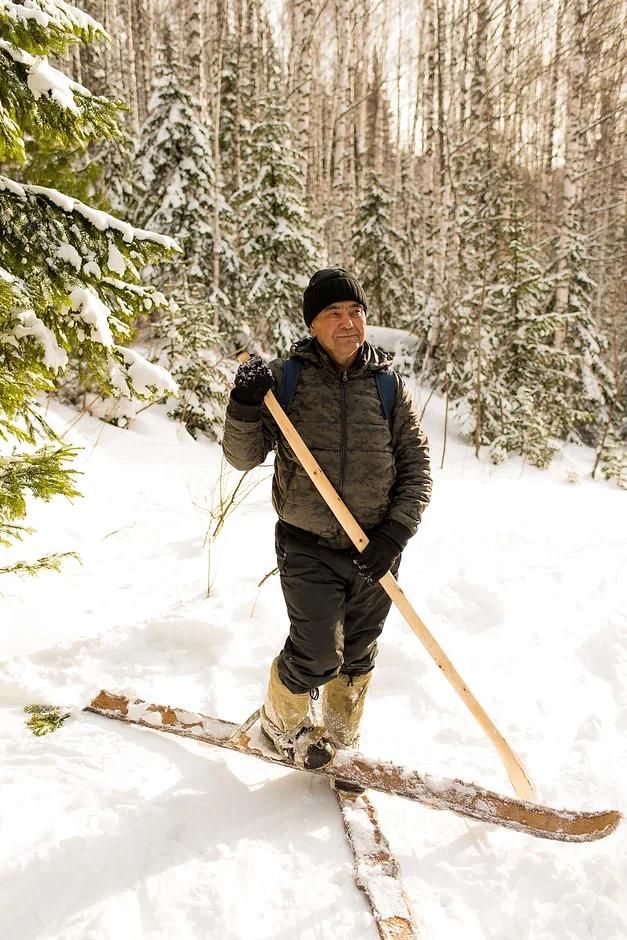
<point x="464" y="799"/>
<point x="376" y="871"/>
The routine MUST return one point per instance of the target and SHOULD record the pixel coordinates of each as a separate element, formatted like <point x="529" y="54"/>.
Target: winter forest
<point x="465" y="159"/>
<point x="172" y="172"/>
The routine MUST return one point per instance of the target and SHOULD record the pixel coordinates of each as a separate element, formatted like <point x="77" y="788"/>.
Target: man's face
<point x="340" y="329"/>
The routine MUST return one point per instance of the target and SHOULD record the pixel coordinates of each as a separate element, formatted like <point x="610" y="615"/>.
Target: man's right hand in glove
<point x="383" y="548"/>
<point x="252" y="381"/>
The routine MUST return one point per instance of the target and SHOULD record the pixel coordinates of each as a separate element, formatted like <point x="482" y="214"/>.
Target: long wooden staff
<point x="513" y="765"/>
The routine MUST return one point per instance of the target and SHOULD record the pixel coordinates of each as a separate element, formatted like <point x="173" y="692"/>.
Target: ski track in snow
<point x="111" y="831"/>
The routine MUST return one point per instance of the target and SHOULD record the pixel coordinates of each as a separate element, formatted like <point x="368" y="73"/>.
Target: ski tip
<point x="568" y="826"/>
<point x="609" y="821"/>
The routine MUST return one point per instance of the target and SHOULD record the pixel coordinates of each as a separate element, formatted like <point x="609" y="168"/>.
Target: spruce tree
<point x="175" y="189"/>
<point x="233" y="122"/>
<point x="75" y="172"/>
<point x="516" y="390"/>
<point x="463" y="362"/>
<point x="70" y="286"/>
<point x="279" y="249"/>
<point x="194" y="353"/>
<point x="377" y="248"/>
<point x="115" y="157"/>
<point x="611" y="454"/>
<point x="506" y="377"/>
<point x="590" y="385"/>
<point x="527" y="407"/>
<point x="173" y="183"/>
<point x="415" y="313"/>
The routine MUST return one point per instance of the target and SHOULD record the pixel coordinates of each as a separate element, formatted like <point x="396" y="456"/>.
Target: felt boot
<point x="343" y="700"/>
<point x="286" y="723"/>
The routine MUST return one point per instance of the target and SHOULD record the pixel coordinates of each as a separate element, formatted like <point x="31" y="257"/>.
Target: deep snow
<point x="109" y="831"/>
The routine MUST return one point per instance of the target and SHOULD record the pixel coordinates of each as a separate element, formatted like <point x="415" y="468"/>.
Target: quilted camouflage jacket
<point x="380" y="468"/>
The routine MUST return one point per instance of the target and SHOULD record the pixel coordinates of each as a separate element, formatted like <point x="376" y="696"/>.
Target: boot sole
<point x="346" y="787"/>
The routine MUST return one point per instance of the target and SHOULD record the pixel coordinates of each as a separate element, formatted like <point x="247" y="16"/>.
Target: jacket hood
<point x="370" y="358"/>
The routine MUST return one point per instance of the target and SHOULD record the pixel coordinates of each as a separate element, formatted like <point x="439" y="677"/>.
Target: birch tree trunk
<point x="130" y="74"/>
<point x="338" y="227"/>
<point x="480" y="124"/>
<point x="113" y="59"/>
<point x="301" y="100"/>
<point x="443" y="206"/>
<point x="238" y="115"/>
<point x="466" y="46"/>
<point x="420" y="67"/>
<point x="396" y="210"/>
<point x="508" y="118"/>
<point x="572" y="155"/>
<point x="195" y="31"/>
<point x="142" y="66"/>
<point x="427" y="162"/>
<point x="360" y="94"/>
<point x="221" y="22"/>
<point x="552" y="105"/>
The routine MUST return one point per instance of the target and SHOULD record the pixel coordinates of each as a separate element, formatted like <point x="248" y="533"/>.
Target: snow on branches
<point x="70" y="275"/>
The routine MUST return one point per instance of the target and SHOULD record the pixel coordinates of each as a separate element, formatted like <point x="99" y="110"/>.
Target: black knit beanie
<point x="327" y="287"/>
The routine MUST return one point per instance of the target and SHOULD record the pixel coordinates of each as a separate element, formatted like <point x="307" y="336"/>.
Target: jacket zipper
<point x="343" y="384"/>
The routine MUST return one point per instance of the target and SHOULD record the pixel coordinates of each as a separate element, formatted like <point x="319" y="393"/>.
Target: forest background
<point x="465" y="159"/>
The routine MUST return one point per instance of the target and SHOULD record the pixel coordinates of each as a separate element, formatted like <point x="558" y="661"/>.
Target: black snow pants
<point x="335" y="616"/>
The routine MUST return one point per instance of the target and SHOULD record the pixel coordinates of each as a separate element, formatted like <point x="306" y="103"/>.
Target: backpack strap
<point x="289" y="381"/>
<point x="387" y="386"/>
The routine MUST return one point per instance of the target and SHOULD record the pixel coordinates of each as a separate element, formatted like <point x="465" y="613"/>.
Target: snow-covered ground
<point x="109" y="831"/>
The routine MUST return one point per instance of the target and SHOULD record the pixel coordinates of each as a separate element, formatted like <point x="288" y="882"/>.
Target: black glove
<point x="384" y="547"/>
<point x="252" y="380"/>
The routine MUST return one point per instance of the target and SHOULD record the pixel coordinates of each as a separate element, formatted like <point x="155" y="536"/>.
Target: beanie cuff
<point x="331" y="285"/>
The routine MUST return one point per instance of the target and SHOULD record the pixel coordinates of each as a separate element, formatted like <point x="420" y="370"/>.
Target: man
<point x="379" y="465"/>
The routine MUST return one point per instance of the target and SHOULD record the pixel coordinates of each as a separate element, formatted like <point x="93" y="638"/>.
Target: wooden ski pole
<point x="515" y="770"/>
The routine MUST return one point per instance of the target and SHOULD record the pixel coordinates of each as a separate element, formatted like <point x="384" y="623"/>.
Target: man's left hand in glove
<point x="384" y="546"/>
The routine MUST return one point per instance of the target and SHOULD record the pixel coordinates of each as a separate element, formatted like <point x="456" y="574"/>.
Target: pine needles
<point x="45" y="718"/>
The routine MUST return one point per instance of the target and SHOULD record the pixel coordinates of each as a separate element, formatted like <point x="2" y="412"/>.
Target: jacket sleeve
<point x="412" y="489"/>
<point x="250" y="431"/>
